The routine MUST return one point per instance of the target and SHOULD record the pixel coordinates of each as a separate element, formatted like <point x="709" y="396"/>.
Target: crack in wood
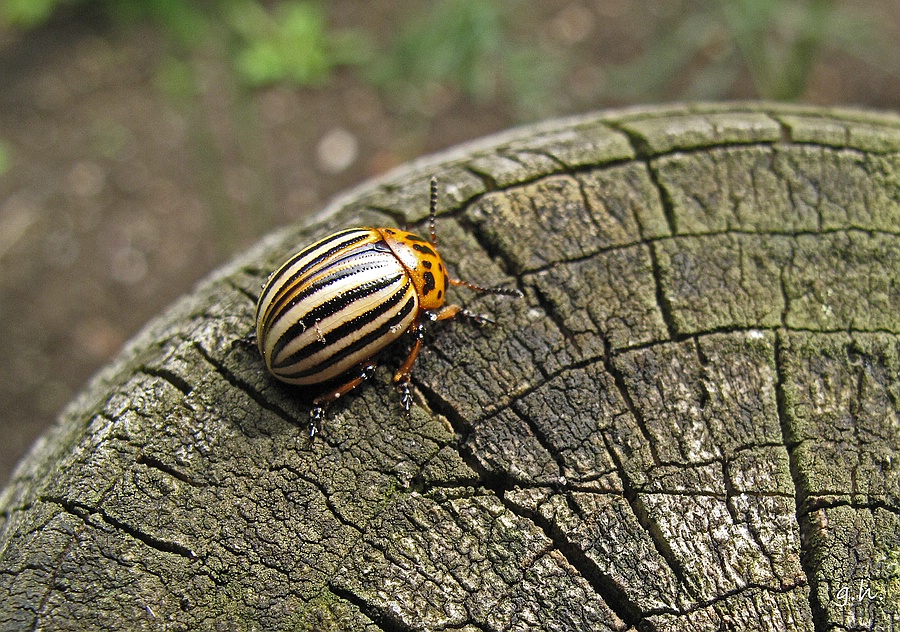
<point x="663" y="304"/>
<point x="386" y="619"/>
<point x="730" y="232"/>
<point x="165" y="468"/>
<point x="244" y="387"/>
<point x="660" y="543"/>
<point x="487" y="180"/>
<point x="54" y="573"/>
<point x="603" y="584"/>
<point x="586" y="201"/>
<point x="638" y="417"/>
<point x="818" y="503"/>
<point x="240" y="289"/>
<point x="550" y="308"/>
<point x="730" y="494"/>
<point x="724" y="596"/>
<point x="326" y="497"/>
<point x="84" y="512"/>
<point x="665" y="198"/>
<point x="489" y="249"/>
<point x="171" y="377"/>
<point x="563" y="167"/>
<point x="784" y="419"/>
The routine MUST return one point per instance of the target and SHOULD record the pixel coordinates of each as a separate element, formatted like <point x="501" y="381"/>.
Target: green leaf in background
<point x="26" y="13"/>
<point x="292" y="43"/>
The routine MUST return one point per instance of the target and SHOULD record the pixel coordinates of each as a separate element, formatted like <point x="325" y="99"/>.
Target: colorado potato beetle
<point x="328" y="311"/>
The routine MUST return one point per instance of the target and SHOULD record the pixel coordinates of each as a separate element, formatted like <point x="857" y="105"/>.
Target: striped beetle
<point x="332" y="307"/>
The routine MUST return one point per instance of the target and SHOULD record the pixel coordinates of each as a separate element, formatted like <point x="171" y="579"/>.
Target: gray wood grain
<point x="691" y="422"/>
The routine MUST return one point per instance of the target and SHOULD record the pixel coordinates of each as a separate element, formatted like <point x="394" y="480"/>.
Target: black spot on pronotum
<point x="429" y="283"/>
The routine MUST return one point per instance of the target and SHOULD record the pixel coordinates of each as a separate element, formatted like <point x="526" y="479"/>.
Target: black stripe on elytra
<point x="330" y="307"/>
<point x="362" y="343"/>
<point x="322" y="257"/>
<point x="287" y="300"/>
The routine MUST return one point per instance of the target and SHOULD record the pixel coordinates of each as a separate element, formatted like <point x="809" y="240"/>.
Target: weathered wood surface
<point x="689" y="423"/>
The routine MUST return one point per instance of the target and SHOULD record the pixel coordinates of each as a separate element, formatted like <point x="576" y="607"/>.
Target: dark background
<point x="144" y="142"/>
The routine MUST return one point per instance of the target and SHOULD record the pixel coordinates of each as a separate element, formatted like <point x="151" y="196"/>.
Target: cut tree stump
<point x="690" y="422"/>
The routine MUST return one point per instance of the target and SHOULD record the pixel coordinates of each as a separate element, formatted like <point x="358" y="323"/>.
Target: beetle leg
<point x="248" y="341"/>
<point x="402" y="376"/>
<point x="405" y="395"/>
<point x="492" y="290"/>
<point x="478" y="319"/>
<point x="366" y="370"/>
<point x="446" y="312"/>
<point x="316" y="415"/>
<point x="452" y="311"/>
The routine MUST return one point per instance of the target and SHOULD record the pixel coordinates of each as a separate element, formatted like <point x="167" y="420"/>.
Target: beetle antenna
<point x="434" y="194"/>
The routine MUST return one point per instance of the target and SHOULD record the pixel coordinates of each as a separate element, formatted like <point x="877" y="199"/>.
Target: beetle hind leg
<point x="321" y="403"/>
<point x="502" y="291"/>
<point x="451" y="311"/>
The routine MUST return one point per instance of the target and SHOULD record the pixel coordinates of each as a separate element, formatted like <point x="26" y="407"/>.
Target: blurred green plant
<point x="292" y="43"/>
<point x="776" y="41"/>
<point x="465" y="46"/>
<point x="26" y="13"/>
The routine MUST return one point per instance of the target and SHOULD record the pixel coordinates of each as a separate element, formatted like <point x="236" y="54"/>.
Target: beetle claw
<point x="405" y="396"/>
<point x="478" y="319"/>
<point x="248" y="341"/>
<point x="316" y="416"/>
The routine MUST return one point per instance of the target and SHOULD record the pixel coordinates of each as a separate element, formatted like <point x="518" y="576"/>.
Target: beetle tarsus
<point x="316" y="416"/>
<point x="405" y="395"/>
<point x="478" y="319"/>
<point x="248" y="341"/>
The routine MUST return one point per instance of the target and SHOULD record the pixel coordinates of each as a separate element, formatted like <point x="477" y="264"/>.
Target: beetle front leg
<point x="248" y="341"/>
<point x="317" y="414"/>
<point x="452" y="311"/>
